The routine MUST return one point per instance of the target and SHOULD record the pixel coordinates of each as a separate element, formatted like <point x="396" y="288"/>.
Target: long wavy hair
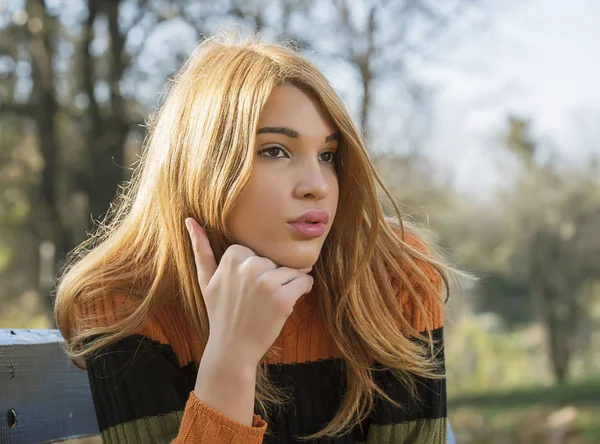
<point x="196" y="161"/>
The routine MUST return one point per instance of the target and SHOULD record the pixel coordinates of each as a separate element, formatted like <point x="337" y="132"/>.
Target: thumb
<point x="206" y="265"/>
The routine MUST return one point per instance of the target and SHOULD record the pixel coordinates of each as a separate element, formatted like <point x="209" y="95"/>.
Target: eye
<point x="332" y="156"/>
<point x="272" y="150"/>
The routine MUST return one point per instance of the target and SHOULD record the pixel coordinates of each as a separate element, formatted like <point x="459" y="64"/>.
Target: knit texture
<point x="142" y="386"/>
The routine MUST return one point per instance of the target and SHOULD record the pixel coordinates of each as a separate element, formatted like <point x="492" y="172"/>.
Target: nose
<point x="312" y="180"/>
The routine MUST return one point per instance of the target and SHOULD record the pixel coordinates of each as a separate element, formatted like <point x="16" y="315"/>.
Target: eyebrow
<point x="293" y="133"/>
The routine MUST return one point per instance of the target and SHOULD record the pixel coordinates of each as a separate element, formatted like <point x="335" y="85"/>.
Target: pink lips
<point x="311" y="223"/>
<point x="308" y="229"/>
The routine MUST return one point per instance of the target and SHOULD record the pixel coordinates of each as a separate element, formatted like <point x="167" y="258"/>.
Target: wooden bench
<point x="44" y="397"/>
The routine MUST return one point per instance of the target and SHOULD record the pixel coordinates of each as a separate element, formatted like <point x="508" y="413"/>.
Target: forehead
<point x="289" y="106"/>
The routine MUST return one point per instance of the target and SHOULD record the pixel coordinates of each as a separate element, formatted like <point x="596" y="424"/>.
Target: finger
<point x="206" y="265"/>
<point x="284" y="275"/>
<point x="293" y="290"/>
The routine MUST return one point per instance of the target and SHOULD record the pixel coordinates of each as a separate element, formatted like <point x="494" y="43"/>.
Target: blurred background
<point x="482" y="116"/>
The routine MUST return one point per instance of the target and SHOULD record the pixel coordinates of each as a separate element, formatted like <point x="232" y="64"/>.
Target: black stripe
<point x="317" y="389"/>
<point x="137" y="377"/>
<point x="430" y="401"/>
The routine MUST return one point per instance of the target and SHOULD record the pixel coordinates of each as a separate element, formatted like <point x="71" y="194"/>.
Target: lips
<point x="307" y="229"/>
<point x="316" y="216"/>
<point x="311" y="223"/>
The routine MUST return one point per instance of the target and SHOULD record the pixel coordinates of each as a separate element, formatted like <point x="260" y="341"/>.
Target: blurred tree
<point x="554" y="219"/>
<point x="535" y="245"/>
<point x="80" y="116"/>
<point x="379" y="39"/>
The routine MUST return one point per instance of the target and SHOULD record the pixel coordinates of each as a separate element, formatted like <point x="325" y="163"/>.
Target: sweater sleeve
<point x="141" y="394"/>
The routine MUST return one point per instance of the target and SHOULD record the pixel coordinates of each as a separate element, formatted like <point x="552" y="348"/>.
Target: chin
<point x="298" y="261"/>
<point x="294" y="254"/>
<point x="297" y="264"/>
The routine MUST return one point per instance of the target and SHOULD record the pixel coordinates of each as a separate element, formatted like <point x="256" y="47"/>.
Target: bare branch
<point x="118" y="63"/>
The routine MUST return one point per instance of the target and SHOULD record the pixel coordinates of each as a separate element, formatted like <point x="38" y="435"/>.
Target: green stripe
<point x="421" y="431"/>
<point x="164" y="428"/>
<point x="161" y="428"/>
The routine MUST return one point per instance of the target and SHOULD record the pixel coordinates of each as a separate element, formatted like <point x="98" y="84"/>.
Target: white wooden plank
<point x="51" y="397"/>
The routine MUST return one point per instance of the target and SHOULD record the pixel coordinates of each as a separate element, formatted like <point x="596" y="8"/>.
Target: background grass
<point x="503" y="409"/>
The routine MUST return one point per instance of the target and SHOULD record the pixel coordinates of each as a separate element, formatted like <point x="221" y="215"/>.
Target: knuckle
<point x="255" y="264"/>
<point x="231" y="254"/>
<point x="267" y="284"/>
<point x="237" y="249"/>
<point x="230" y="251"/>
<point x="237" y="253"/>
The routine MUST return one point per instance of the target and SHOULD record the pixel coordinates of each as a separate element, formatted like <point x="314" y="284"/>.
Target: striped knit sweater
<point x="142" y="386"/>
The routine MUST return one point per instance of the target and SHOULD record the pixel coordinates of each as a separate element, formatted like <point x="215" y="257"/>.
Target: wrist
<point x="231" y="377"/>
<point x="226" y="355"/>
<point x="226" y="385"/>
<point x="218" y="359"/>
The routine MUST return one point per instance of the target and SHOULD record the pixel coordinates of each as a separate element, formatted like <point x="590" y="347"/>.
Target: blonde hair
<point x="196" y="163"/>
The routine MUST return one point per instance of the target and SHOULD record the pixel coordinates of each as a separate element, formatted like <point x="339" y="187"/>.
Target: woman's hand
<point x="247" y="297"/>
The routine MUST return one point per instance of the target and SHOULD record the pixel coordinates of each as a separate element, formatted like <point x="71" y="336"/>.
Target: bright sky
<point x="539" y="59"/>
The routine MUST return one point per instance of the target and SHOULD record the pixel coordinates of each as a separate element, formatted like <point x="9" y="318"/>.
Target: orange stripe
<point x="304" y="337"/>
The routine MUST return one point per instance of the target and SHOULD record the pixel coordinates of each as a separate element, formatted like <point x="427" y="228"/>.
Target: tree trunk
<point x="45" y="111"/>
<point x="547" y="283"/>
<point x="559" y="339"/>
<point x="107" y="130"/>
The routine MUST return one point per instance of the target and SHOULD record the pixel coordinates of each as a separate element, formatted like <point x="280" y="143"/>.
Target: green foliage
<point x="507" y="296"/>
<point x="28" y="310"/>
<point x="484" y="354"/>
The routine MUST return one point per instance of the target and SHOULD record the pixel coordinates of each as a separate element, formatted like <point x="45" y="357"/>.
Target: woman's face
<point x="294" y="172"/>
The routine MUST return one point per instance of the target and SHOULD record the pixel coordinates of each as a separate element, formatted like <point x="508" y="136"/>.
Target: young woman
<point x="290" y="308"/>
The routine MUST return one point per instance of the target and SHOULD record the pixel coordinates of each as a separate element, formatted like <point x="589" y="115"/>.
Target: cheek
<point x="259" y="202"/>
<point x="267" y="193"/>
<point x="335" y="190"/>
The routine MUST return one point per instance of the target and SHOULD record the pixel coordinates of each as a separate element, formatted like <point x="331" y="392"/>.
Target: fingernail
<point x="187" y="225"/>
